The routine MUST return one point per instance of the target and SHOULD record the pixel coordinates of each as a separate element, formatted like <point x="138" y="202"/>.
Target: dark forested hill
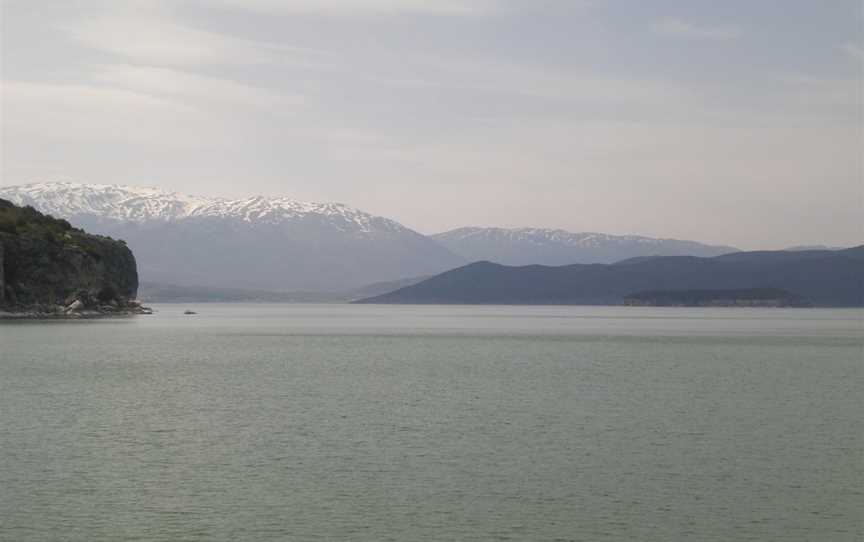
<point x="47" y="266"/>
<point x="822" y="278"/>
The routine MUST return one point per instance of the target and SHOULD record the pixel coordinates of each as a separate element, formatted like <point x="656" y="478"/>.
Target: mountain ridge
<point x="522" y="246"/>
<point x="283" y="244"/>
<point x="143" y="203"/>
<point x="271" y="243"/>
<point x="823" y="278"/>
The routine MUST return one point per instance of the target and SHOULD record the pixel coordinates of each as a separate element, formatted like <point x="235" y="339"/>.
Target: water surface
<point x="339" y="422"/>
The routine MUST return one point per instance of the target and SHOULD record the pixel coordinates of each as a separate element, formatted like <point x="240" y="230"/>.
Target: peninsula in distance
<point x="822" y="278"/>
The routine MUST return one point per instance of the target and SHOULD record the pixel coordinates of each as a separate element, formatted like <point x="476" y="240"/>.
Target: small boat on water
<point x="189" y="312"/>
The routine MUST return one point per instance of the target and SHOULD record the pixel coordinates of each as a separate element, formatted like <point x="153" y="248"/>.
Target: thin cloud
<point x="150" y="33"/>
<point x="196" y="90"/>
<point x="86" y="114"/>
<point x="366" y="7"/>
<point x="685" y="29"/>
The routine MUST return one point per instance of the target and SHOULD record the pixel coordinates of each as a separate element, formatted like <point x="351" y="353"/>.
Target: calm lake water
<point x="340" y="422"/>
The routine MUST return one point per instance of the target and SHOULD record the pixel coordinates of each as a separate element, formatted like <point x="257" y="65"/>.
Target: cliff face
<point x="47" y="266"/>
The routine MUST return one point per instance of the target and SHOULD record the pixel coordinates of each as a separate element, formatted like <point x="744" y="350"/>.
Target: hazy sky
<point x="734" y="122"/>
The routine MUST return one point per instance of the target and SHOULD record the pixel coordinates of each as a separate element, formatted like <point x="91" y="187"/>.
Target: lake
<point x="359" y="422"/>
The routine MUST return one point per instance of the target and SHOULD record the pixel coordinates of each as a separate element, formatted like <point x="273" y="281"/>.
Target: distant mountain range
<point x="252" y="243"/>
<point x="524" y="246"/>
<point x="819" y="277"/>
<point x="278" y="244"/>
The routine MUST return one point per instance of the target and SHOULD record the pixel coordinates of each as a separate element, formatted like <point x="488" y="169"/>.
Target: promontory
<point x="50" y="269"/>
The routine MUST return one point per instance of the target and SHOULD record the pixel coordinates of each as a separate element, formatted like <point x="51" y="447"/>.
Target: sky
<point x="735" y="122"/>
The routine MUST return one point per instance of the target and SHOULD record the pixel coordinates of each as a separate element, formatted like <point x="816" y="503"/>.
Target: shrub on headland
<point x="28" y="223"/>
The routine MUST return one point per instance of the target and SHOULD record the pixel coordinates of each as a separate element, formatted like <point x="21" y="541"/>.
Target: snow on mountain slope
<point x="135" y="204"/>
<point x="254" y="242"/>
<point x="544" y="236"/>
<point x="522" y="246"/>
<point x="279" y="243"/>
<point x="146" y="204"/>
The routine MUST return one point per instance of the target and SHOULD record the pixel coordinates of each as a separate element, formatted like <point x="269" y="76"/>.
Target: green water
<point x="293" y="422"/>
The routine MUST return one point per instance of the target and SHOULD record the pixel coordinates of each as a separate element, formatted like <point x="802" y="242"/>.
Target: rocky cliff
<point x="48" y="267"/>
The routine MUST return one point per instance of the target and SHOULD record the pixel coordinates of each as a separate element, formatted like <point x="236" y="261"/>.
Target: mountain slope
<point x="824" y="278"/>
<point x="524" y="246"/>
<point x="254" y="242"/>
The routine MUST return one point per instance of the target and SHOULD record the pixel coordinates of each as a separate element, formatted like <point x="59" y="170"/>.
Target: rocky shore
<point x="83" y="306"/>
<point x="74" y="310"/>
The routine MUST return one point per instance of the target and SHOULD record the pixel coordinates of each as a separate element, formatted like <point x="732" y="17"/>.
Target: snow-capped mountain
<point x="147" y="204"/>
<point x="278" y="243"/>
<point x="523" y="246"/>
<point x="252" y="242"/>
